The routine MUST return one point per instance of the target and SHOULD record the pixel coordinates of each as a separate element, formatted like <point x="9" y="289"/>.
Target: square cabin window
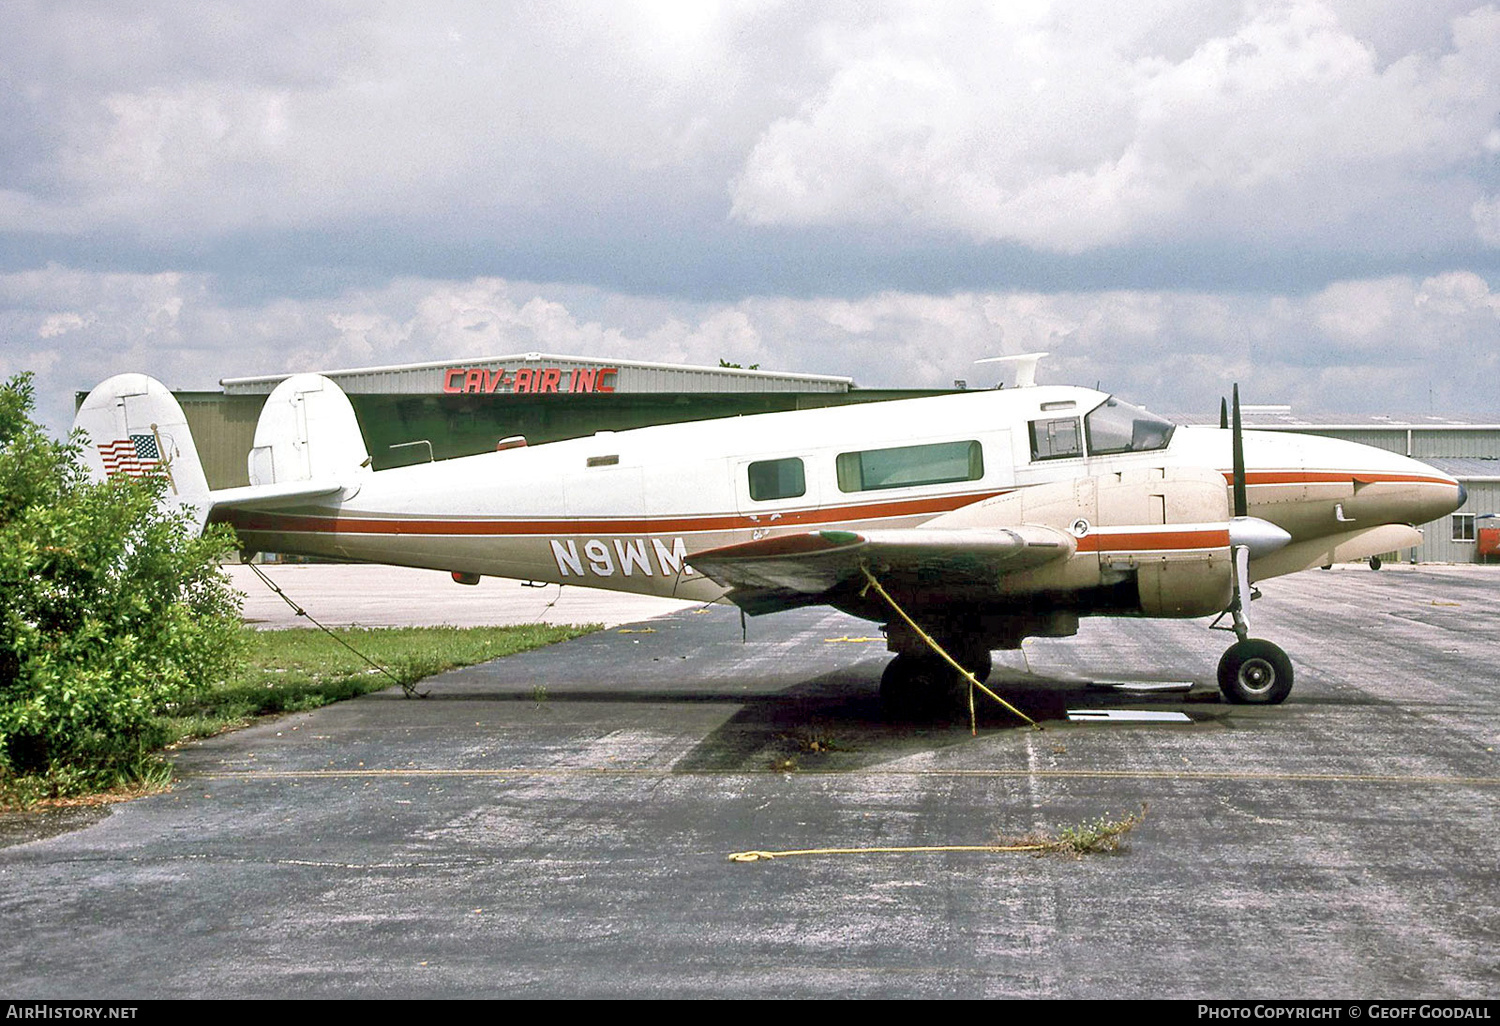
<point x="1463" y="527"/>
<point x="777" y="479"/>
<point x="1055" y="439"/>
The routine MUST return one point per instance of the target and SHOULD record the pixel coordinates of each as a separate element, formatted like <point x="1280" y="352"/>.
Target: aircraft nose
<point x="1440" y="500"/>
<point x="1418" y="494"/>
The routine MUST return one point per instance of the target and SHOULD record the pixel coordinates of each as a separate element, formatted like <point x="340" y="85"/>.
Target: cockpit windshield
<point x="1117" y="426"/>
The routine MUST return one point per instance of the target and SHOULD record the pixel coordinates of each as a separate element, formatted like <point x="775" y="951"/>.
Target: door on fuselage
<point x="776" y="494"/>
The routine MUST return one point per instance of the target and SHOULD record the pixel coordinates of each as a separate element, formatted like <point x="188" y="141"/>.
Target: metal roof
<point x="1264" y="417"/>
<point x="631" y="376"/>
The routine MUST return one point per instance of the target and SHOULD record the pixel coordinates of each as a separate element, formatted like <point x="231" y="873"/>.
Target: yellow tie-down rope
<point x="973" y="681"/>
<point x="756" y="856"/>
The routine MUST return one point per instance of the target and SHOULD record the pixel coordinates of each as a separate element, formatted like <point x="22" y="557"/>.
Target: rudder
<point x="134" y="426"/>
<point x="307" y="432"/>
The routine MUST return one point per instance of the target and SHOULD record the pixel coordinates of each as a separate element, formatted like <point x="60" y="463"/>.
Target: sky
<point x="1168" y="196"/>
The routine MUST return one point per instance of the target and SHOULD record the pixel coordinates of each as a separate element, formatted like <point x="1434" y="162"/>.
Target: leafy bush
<point x="111" y="610"/>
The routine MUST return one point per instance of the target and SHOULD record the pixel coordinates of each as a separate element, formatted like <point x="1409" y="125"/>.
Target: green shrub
<point x="111" y="610"/>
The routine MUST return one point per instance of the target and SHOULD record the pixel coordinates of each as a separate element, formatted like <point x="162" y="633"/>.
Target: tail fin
<point x="134" y="426"/>
<point x="308" y="432"/>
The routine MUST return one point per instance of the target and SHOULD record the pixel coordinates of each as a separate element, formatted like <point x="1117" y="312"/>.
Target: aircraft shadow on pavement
<point x="831" y="721"/>
<point x="835" y="722"/>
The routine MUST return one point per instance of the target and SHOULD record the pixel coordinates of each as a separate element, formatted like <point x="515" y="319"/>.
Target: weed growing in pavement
<point x="1092" y="837"/>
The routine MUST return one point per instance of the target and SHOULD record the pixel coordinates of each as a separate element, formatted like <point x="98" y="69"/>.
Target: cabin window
<point x="909" y="466"/>
<point x="1055" y="439"/>
<point x="1117" y="426"/>
<point x="1463" y="527"/>
<point x="777" y="479"/>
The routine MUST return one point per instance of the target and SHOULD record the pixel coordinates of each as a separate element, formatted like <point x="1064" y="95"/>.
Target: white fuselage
<point x="625" y="510"/>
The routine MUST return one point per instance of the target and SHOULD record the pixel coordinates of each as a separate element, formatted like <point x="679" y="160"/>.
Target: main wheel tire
<point x="977" y="661"/>
<point x="1375" y="563"/>
<point x="1255" y="672"/>
<point x="915" y="687"/>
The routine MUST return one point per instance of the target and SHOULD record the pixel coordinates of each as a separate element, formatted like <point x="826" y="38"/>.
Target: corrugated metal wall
<point x="1438" y="545"/>
<point x="1455" y="442"/>
<point x="631" y="376"/>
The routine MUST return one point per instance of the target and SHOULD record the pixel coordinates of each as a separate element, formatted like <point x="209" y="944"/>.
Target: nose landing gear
<point x="1255" y="672"/>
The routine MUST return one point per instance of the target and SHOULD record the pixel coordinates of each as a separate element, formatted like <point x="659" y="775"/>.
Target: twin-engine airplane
<point x="988" y="516"/>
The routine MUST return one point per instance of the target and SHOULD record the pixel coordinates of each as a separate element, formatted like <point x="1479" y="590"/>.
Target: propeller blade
<point x="1223" y="414"/>
<point x="1241" y="505"/>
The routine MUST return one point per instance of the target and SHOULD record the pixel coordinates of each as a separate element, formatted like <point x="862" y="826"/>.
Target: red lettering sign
<point x="529" y="380"/>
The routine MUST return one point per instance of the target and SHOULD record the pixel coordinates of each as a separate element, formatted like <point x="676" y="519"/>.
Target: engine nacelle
<point x="1185" y="587"/>
<point x="1170" y="529"/>
<point x="1165" y="529"/>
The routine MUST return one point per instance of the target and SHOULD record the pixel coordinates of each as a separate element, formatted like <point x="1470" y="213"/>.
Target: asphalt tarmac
<point x="559" y="824"/>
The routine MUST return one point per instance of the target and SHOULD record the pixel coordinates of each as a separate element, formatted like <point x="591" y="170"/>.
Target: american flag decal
<point x="136" y="456"/>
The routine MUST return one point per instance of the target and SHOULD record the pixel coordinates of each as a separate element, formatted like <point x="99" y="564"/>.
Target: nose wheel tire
<point x="1255" y="672"/>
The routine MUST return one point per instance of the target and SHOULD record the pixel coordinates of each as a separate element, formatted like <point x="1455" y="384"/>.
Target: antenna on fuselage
<point x="1024" y="364"/>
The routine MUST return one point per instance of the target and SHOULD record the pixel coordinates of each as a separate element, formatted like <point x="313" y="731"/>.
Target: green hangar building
<point x="412" y="413"/>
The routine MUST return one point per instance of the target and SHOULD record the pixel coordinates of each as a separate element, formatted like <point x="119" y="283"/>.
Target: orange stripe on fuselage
<point x="1275" y="477"/>
<point x="296" y="523"/>
<point x="375" y="524"/>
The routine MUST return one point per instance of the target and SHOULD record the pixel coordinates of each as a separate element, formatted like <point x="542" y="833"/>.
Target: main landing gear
<point x="920" y="685"/>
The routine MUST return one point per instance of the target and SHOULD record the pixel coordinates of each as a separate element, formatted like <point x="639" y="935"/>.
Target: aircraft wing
<point x="794" y="570"/>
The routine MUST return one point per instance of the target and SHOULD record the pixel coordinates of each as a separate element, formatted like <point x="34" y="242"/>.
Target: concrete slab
<point x="558" y="824"/>
<point x="389" y="596"/>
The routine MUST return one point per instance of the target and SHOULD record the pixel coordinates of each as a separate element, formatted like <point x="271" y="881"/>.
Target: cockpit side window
<point x="1116" y="426"/>
<point x="1055" y="439"/>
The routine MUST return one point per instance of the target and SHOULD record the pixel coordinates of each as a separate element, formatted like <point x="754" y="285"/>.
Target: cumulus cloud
<point x="1063" y="126"/>
<point x="178" y="119"/>
<point x="888" y="190"/>
<point x="1371" y="345"/>
<point x="1066" y="136"/>
<point x="1486" y="214"/>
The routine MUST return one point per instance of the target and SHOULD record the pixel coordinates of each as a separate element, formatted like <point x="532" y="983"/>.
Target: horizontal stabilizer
<point x="273" y="496"/>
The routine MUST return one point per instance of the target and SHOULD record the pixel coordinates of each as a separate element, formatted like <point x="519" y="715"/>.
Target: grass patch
<point x="297" y="670"/>
<point x="288" y="671"/>
<point x="816" y="740"/>
<point x="65" y="787"/>
<point x="1093" y="837"/>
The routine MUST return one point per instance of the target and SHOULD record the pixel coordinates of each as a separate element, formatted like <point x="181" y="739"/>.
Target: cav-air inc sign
<point x="532" y="380"/>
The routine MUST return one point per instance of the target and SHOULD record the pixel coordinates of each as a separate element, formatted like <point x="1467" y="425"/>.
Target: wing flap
<point x="819" y="562"/>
